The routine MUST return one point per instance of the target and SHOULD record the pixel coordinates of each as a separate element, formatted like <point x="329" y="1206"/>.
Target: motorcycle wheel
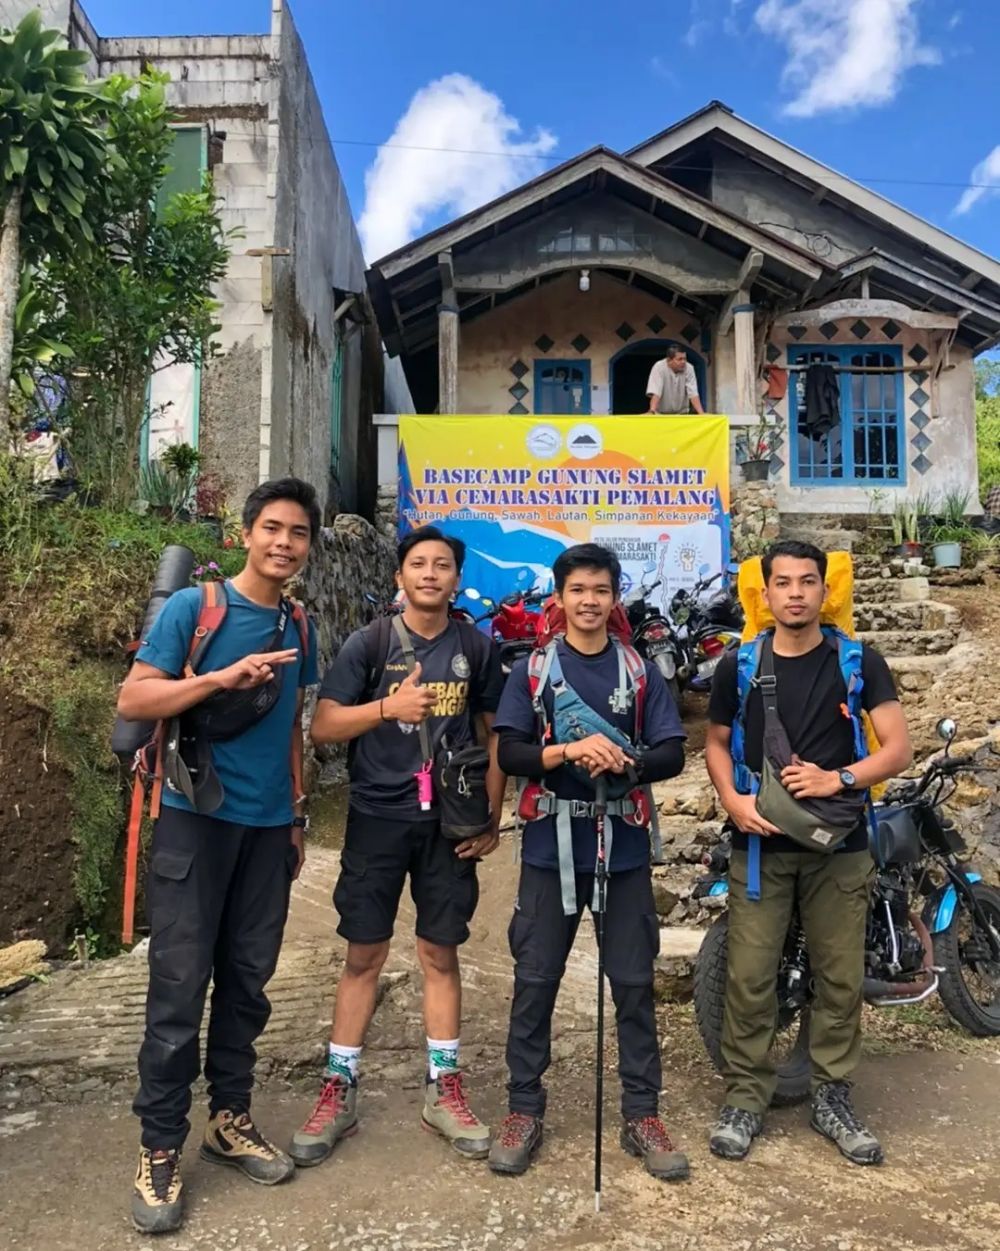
<point x="970" y="986"/>
<point x="790" y="1050"/>
<point x="673" y="686"/>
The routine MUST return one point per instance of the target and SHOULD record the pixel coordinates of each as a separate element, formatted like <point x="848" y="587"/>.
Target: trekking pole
<point x="601" y="881"/>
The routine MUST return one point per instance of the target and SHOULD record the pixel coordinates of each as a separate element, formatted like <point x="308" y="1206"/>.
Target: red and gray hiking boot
<point x="157" y="1204"/>
<point x="232" y="1138"/>
<point x="447" y="1112"/>
<point x="648" y="1139"/>
<point x="335" y="1116"/>
<point x="517" y="1140"/>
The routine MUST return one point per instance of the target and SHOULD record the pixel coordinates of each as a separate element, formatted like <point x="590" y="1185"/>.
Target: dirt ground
<point x="37" y="899"/>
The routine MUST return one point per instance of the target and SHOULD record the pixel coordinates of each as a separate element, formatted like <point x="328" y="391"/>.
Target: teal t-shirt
<point x="254" y="767"/>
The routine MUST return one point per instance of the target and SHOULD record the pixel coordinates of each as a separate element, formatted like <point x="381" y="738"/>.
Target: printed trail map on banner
<point x="519" y="490"/>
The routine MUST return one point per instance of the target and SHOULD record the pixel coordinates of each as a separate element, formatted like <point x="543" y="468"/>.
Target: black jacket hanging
<point x="822" y="409"/>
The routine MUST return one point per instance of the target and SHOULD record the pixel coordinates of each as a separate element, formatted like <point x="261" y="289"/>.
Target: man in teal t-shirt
<point x="220" y="878"/>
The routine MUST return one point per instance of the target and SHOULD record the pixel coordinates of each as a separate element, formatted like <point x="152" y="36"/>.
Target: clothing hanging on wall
<point x="822" y="407"/>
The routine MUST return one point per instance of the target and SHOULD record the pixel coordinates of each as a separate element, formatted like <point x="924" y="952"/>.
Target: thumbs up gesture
<point x="411" y="702"/>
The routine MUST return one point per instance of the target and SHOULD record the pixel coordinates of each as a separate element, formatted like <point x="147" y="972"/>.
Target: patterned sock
<point x="442" y="1057"/>
<point x="343" y="1062"/>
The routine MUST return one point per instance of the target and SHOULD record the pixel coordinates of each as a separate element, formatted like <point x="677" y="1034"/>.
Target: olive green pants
<point x="832" y="894"/>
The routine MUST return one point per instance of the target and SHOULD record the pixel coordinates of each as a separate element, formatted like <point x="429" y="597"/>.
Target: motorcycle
<point x="933" y="928"/>
<point x="653" y="637"/>
<point x="704" y="627"/>
<point x="513" y="625"/>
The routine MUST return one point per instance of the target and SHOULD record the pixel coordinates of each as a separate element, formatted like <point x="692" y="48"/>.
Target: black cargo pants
<point x="217" y="898"/>
<point x="541" y="938"/>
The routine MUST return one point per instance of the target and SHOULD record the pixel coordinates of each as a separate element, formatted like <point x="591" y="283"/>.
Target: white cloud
<point x="986" y="172"/>
<point x="845" y="53"/>
<point x="409" y="182"/>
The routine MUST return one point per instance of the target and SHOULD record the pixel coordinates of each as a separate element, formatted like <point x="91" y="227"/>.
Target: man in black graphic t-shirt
<point x="830" y="891"/>
<point x="392" y="708"/>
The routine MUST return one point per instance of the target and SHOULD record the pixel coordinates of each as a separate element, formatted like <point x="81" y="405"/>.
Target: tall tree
<point x="53" y="155"/>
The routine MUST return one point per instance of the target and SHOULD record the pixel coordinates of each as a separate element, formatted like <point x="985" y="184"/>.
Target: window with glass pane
<point x="866" y="445"/>
<point x="562" y="387"/>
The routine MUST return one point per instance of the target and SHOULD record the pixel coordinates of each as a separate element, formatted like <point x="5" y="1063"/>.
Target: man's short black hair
<point x="430" y="534"/>
<point x="797" y="551"/>
<point x="587" y="556"/>
<point x="675" y="350"/>
<point x="293" y="489"/>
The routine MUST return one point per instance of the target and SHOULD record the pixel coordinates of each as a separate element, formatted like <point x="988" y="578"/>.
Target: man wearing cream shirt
<point x="672" y="386"/>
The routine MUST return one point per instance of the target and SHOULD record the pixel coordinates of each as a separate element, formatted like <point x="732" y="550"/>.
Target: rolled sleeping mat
<point x="172" y="574"/>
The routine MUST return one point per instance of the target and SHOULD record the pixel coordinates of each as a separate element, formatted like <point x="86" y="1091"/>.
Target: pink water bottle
<point x="425" y="787"/>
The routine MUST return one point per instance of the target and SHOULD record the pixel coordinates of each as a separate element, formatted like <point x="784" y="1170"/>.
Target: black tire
<point x="963" y="1000"/>
<point x="795" y="1069"/>
<point x="673" y="686"/>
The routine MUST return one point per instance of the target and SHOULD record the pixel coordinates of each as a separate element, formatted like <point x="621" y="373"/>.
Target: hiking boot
<point x="517" y="1140"/>
<point x="447" y="1112"/>
<point x="334" y="1117"/>
<point x="648" y="1139"/>
<point x="157" y="1206"/>
<point x="834" y="1117"/>
<point x="232" y="1138"/>
<point x="734" y="1132"/>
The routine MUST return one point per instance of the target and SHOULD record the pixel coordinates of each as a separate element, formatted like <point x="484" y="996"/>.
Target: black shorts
<point x="541" y="935"/>
<point x="378" y="853"/>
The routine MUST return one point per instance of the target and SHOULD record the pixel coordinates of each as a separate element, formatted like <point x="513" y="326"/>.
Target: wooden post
<point x="746" y="372"/>
<point x="447" y="338"/>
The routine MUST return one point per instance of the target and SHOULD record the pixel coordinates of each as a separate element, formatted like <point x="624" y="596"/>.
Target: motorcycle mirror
<point x="946" y="729"/>
<point x="470" y="592"/>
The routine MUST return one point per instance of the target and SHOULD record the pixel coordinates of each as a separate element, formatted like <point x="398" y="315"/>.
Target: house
<point x="714" y="235"/>
<point x="301" y="368"/>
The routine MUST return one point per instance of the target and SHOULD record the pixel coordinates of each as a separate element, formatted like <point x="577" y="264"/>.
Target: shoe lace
<point x="838" y="1099"/>
<point x="162" y="1170"/>
<point x="737" y="1118"/>
<point x="328" y="1107"/>
<point x="453" y="1098"/>
<point x="248" y="1131"/>
<point x="515" y="1129"/>
<point x="653" y="1133"/>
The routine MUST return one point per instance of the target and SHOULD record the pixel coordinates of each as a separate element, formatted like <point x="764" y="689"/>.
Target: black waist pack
<point x="460" y="790"/>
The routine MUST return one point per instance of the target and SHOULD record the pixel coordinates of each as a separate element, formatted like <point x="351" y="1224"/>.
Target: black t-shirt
<point x="811" y="692"/>
<point x="385" y="759"/>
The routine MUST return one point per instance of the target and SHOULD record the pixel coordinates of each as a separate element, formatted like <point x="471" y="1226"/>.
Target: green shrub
<point x="988" y="442"/>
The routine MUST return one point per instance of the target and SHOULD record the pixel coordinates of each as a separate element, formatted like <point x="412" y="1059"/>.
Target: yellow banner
<point x="518" y="490"/>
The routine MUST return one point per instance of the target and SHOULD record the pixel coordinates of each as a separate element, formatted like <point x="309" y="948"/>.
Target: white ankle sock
<point x="343" y="1062"/>
<point x="442" y="1056"/>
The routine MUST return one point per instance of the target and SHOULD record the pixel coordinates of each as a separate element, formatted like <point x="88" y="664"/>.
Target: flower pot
<point x="755" y="470"/>
<point x="913" y="551"/>
<point x="947" y="555"/>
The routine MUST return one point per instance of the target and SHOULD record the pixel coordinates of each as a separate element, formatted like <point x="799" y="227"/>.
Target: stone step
<point x="826" y="540"/>
<point x="917" y="673"/>
<point x="888" y="615"/>
<point x="915" y="642"/>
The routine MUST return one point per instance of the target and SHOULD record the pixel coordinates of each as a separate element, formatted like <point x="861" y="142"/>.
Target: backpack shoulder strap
<point x="377" y="636"/>
<point x="302" y="625"/>
<point x="635" y="673"/>
<point x="211" y="614"/>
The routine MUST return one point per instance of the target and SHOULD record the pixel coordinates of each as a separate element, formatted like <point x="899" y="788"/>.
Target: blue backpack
<point x="849" y="655"/>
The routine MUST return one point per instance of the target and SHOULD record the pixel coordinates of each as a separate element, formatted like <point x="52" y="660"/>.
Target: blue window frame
<point x="867" y="444"/>
<point x="562" y="388"/>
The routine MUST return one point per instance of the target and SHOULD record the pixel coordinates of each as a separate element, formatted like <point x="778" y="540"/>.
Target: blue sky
<point x="902" y="95"/>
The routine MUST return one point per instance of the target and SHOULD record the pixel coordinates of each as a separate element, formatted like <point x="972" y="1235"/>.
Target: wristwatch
<point x="847" y="779"/>
<point x="301" y="823"/>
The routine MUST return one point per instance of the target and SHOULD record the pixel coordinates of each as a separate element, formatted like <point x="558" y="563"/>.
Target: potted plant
<point x="948" y="537"/>
<point x="756" y="447"/>
<point x="906" y="531"/>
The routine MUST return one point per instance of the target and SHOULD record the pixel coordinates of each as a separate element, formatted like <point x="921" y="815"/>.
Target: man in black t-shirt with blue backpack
<point x="585" y="710"/>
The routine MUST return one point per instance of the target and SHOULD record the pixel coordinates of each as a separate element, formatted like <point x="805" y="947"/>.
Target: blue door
<point x="562" y="388"/>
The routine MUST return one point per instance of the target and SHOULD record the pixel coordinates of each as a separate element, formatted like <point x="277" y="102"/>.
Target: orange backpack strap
<point x="211" y="615"/>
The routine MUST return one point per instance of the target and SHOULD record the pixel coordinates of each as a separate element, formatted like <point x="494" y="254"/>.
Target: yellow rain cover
<point x="837" y="610"/>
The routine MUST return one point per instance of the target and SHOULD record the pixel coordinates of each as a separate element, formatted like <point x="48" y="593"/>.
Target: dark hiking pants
<point x="217" y="898"/>
<point x="832" y="895"/>
<point x="541" y="937"/>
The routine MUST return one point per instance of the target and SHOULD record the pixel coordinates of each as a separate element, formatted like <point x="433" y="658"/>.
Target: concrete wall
<point x="491" y="344"/>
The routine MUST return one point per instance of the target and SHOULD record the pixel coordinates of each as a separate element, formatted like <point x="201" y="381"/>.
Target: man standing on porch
<point x="672" y="384"/>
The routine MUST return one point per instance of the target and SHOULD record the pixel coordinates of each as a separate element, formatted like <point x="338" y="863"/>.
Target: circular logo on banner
<point x="543" y="441"/>
<point x="460" y="666"/>
<point x="584" y="442"/>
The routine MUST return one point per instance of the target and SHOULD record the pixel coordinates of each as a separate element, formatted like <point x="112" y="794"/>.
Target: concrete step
<point x="915" y="642"/>
<point x="917" y="673"/>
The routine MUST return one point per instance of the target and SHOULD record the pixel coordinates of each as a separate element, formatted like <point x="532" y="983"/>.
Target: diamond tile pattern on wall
<point x="518" y="390"/>
<point x="796" y="332"/>
<point x="828" y="330"/>
<point x="773" y="352"/>
<point x="518" y="410"/>
<point x="625" y="332"/>
<point x="921" y="420"/>
<point x="921" y="442"/>
<point x="691" y="332"/>
<point x="861" y="329"/>
<point x="544" y="343"/>
<point x="890" y="329"/>
<point x="921" y="464"/>
<point x="656" y="323"/>
<point x="519" y="369"/>
<point x="919" y="397"/>
<point x="918" y="353"/>
<point x="581" y="343"/>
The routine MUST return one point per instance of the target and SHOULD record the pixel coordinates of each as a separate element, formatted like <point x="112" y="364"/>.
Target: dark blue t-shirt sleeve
<point x="488" y="683"/>
<point x="660" y="719"/>
<point x="516" y="711"/>
<point x="344" y="681"/>
<point x="168" y="642"/>
<point x="309" y="672"/>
